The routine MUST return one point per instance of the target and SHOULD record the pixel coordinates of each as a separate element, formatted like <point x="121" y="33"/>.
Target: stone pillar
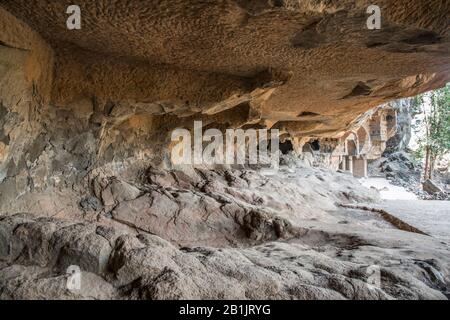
<point x="349" y="163"/>
<point x="341" y="163"/>
<point x="360" y="167"/>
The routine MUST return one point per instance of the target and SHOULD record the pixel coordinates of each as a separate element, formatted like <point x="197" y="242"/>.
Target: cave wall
<point x="26" y="63"/>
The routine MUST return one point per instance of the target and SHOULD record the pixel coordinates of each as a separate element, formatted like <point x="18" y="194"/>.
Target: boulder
<point x="431" y="187"/>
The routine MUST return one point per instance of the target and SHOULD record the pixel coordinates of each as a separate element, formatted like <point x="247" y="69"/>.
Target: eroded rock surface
<point x="232" y="235"/>
<point x="319" y="264"/>
<point x="86" y="117"/>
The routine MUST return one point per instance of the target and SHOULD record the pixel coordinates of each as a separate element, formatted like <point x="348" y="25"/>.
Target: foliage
<point x="431" y="112"/>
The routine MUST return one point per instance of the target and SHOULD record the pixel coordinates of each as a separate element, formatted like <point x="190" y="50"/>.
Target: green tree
<point x="432" y="113"/>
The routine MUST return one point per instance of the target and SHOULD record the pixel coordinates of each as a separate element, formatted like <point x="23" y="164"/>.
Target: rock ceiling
<point x="283" y="58"/>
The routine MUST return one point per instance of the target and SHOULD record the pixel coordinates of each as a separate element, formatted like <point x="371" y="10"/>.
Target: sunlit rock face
<point x="403" y="135"/>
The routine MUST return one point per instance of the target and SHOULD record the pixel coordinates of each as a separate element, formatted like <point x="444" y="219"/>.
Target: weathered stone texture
<point x="86" y="117"/>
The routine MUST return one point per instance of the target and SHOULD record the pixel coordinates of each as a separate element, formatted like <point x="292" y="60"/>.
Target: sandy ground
<point x="432" y="217"/>
<point x="361" y="218"/>
<point x="387" y="190"/>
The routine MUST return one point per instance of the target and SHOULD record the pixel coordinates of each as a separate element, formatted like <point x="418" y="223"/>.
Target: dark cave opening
<point x="286" y="147"/>
<point x="315" y="145"/>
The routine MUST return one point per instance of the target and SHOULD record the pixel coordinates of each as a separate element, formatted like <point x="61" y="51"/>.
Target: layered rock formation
<point x="86" y="117"/>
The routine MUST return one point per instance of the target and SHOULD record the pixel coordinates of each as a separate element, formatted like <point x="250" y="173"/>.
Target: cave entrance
<point x="286" y="147"/>
<point x="315" y="145"/>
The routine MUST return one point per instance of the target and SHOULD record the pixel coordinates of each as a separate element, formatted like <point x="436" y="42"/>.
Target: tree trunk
<point x="432" y="164"/>
<point x="426" y="174"/>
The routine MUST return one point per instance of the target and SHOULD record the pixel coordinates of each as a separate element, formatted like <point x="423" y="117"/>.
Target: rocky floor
<point x="224" y="234"/>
